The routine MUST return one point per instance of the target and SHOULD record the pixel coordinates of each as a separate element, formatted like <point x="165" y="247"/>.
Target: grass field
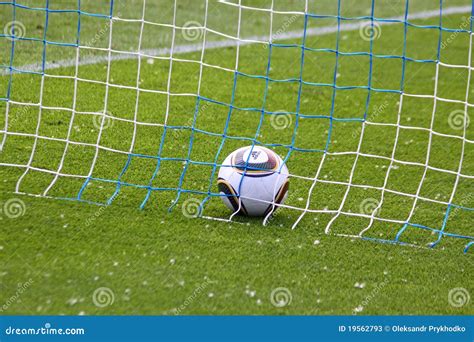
<point x="151" y="261"/>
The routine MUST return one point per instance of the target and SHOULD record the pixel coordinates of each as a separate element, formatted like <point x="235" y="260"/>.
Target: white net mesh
<point x="367" y="102"/>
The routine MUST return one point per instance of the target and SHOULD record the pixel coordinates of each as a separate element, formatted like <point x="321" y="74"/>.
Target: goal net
<point x="138" y="103"/>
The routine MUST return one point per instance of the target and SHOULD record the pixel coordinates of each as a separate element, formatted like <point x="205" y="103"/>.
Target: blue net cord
<point x="8" y="70"/>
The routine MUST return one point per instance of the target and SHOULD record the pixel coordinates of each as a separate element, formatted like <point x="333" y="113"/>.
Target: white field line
<point x="187" y="48"/>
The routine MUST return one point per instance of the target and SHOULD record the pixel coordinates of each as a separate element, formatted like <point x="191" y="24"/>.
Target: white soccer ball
<point x="257" y="176"/>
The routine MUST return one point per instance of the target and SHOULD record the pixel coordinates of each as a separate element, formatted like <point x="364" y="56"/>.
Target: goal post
<point x="367" y="102"/>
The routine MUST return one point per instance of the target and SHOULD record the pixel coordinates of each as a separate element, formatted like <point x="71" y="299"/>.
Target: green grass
<point x="71" y="262"/>
<point x="152" y="260"/>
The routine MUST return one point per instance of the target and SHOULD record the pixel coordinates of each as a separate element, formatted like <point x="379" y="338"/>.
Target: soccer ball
<point x="258" y="176"/>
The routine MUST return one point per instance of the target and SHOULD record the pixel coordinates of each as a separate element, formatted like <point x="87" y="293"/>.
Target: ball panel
<point x="255" y="207"/>
<point x="256" y="189"/>
<point x="257" y="161"/>
<point x="226" y="170"/>
<point x="231" y="199"/>
<point x="279" y="198"/>
<point x="282" y="193"/>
